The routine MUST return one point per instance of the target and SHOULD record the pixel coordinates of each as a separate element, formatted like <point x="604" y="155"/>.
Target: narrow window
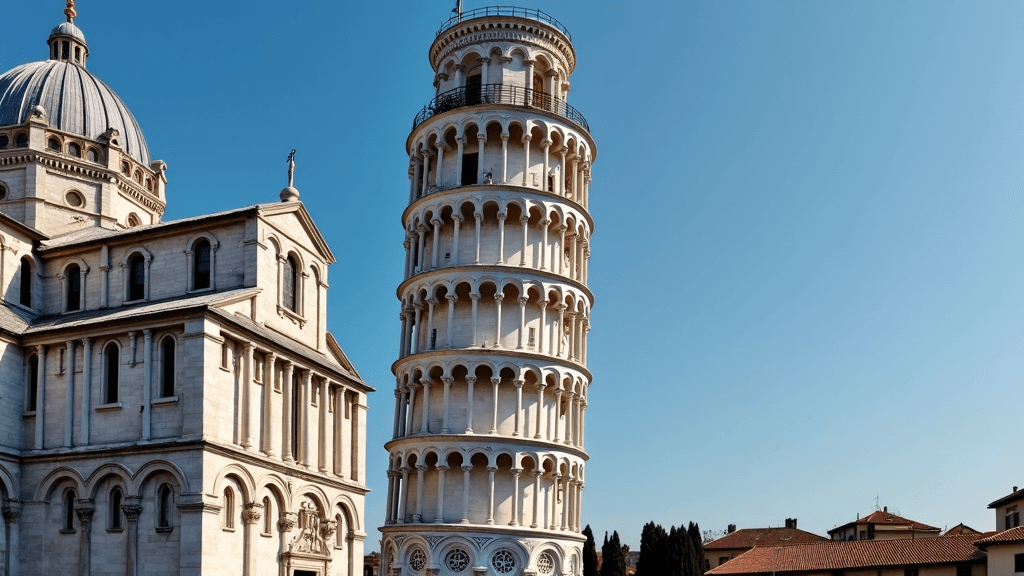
<point x="295" y="416"/>
<point x="33" y="379"/>
<point x="74" y="279"/>
<point x="126" y="168"/>
<point x="115" y="510"/>
<point x="470" y="168"/>
<point x="1018" y="562"/>
<point x="137" y="277"/>
<point x="69" y="510"/>
<point x="267" y="523"/>
<point x="167" y="376"/>
<point x="112" y="356"/>
<point x="201" y="265"/>
<point x="26" y="283"/>
<point x="339" y="538"/>
<point x="229" y="508"/>
<point x="78" y="55"/>
<point x="1012" y="518"/>
<point x="164" y="507"/>
<point x="289" y="292"/>
<point x="474" y="87"/>
<point x="533" y="338"/>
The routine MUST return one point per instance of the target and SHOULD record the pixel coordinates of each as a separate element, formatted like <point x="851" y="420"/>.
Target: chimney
<point x="885" y="508"/>
<point x="790" y="522"/>
<point x="732" y="528"/>
<point x="1014" y="488"/>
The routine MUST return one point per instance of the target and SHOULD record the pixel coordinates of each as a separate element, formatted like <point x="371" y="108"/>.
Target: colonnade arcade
<point x="480" y="229"/>
<point x="476" y="398"/>
<point x="498" y="313"/>
<point x="509" y="149"/>
<point x="542" y="73"/>
<point x="448" y="485"/>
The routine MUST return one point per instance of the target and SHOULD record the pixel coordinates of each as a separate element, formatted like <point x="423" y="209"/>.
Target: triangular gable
<point x="273" y="212"/>
<point x="339" y="355"/>
<point x="25" y="233"/>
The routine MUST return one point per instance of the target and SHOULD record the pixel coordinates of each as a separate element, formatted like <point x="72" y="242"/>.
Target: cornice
<point x="524" y="192"/>
<point x="521" y="357"/>
<point x="521" y="273"/>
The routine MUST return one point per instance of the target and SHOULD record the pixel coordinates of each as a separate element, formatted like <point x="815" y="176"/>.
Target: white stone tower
<point x="486" y="466"/>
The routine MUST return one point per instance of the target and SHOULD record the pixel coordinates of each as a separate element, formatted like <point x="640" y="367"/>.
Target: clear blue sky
<point x="810" y="226"/>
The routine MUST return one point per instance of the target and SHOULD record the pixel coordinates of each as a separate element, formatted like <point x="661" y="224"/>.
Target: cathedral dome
<point x="74" y="100"/>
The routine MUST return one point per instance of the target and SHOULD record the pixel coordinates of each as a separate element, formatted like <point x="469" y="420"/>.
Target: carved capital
<point x="11" y="511"/>
<point x="328" y="528"/>
<point x="252" y="512"/>
<point x="132" y="508"/>
<point x="287" y="521"/>
<point x="84" y="509"/>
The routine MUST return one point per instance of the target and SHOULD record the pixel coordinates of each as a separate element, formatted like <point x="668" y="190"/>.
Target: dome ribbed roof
<point x="75" y="101"/>
<point x="68" y="29"/>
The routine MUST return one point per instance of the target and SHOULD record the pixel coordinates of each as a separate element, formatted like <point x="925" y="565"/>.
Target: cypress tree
<point x="613" y="561"/>
<point x="589" y="553"/>
<point x="653" y="542"/>
<point x="698" y="548"/>
<point x="674" y="552"/>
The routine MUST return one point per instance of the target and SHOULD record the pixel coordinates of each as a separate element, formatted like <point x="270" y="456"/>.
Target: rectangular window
<point x="1018" y="562"/>
<point x="533" y="338"/>
<point x="963" y="571"/>
<point x="910" y="572"/>
<point x="1012" y="517"/>
<point x="470" y="168"/>
<point x="722" y="560"/>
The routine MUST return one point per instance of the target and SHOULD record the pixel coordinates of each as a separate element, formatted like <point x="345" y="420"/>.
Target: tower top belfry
<point x="487" y="460"/>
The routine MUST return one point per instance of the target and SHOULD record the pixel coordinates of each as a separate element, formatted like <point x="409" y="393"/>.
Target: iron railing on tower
<point x="529" y="13"/>
<point x="499" y="94"/>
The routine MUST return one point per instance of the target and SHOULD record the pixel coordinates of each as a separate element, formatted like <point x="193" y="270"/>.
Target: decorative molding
<point x="433" y="540"/>
<point x="481" y="541"/>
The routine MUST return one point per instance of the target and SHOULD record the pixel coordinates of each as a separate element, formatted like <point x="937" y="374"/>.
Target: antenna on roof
<point x="458" y="9"/>
<point x="876" y="504"/>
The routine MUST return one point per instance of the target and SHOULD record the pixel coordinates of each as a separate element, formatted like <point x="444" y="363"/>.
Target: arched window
<point x="163" y="512"/>
<point x="111" y="359"/>
<point x="74" y="280"/>
<point x="289" y="292"/>
<point x="93" y="156"/>
<point x="25" y="298"/>
<point x="69" y="510"/>
<point x="114" y="522"/>
<point x="267" y="522"/>
<point x="21" y="140"/>
<point x="137" y="277"/>
<point x="31" y="389"/>
<point x="5" y="141"/>
<point x="3" y="192"/>
<point x="133" y="220"/>
<point x="339" y="537"/>
<point x="167" y="365"/>
<point x="201" y="265"/>
<point x="228" y="519"/>
<point x="75" y="150"/>
<point x="53" y="144"/>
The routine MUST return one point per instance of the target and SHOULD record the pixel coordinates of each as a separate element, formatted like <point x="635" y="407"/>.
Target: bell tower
<point x="487" y="460"/>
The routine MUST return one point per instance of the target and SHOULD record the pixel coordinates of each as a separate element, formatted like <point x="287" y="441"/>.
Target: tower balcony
<point x="503" y="94"/>
<point x="508" y="11"/>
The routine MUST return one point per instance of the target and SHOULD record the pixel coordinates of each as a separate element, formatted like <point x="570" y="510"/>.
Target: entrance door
<point x="470" y="168"/>
<point x="474" y="85"/>
<point x="304" y="573"/>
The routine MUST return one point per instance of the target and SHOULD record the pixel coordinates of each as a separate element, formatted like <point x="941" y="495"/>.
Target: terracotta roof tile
<point x="1004" y="537"/>
<point x="961" y="528"/>
<point x="750" y="537"/>
<point x="885" y="518"/>
<point x="825" y="556"/>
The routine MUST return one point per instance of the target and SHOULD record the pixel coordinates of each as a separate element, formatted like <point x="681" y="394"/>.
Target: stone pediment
<point x="291" y="220"/>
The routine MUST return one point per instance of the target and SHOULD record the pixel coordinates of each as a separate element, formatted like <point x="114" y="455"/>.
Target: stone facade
<point x="487" y="460"/>
<point x="170" y="399"/>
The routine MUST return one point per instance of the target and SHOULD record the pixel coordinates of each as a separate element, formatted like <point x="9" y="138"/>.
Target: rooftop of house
<point x="750" y="537"/>
<point x="858" y="554"/>
<point x="1011" y="497"/>
<point x="1011" y="536"/>
<point x="882" y="518"/>
<point x="959" y="529"/>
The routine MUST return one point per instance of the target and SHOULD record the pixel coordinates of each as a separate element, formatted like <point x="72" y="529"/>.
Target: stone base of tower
<point x="415" y="549"/>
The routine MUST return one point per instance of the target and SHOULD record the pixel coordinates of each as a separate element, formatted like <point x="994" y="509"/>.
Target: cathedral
<point x="171" y="401"/>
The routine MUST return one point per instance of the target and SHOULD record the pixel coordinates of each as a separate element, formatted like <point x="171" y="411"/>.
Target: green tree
<point x="613" y="560"/>
<point x="697" y="540"/>
<point x="653" y="542"/>
<point x="589" y="553"/>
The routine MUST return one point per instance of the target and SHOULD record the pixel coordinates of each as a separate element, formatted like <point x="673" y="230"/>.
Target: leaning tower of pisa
<point x="487" y="461"/>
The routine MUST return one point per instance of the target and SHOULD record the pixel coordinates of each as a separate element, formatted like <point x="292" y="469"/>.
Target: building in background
<point x="487" y="461"/>
<point x="171" y="400"/>
<point x="736" y="542"/>
<point x="883" y="525"/>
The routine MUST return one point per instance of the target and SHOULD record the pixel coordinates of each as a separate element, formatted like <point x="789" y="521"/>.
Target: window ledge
<point x="199" y="290"/>
<point x="115" y="529"/>
<point x="108" y="407"/>
<point x="293" y="316"/>
<point x="28" y="414"/>
<point x="164" y="529"/>
<point x="225" y="529"/>
<point x="165" y="401"/>
<point x="134" y="302"/>
<point x="266" y="535"/>
<point x="66" y="531"/>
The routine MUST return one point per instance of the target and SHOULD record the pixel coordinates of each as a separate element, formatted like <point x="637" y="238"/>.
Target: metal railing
<point x="499" y="94"/>
<point x="529" y="13"/>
